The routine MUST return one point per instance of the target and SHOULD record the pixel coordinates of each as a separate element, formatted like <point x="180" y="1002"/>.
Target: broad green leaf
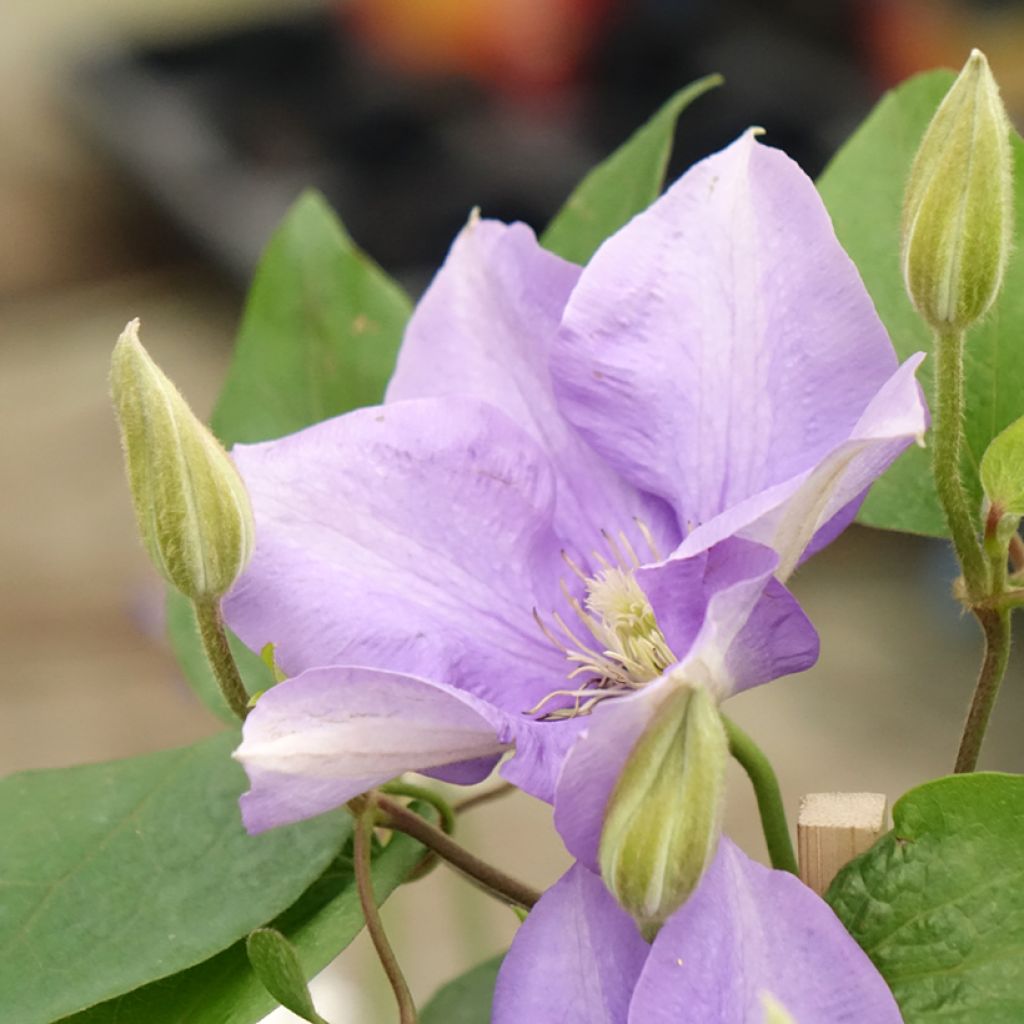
<point x="623" y="185"/>
<point x="465" y="1000"/>
<point x="116" y="874"/>
<point x="276" y="964"/>
<point x="938" y="904"/>
<point x="226" y="989"/>
<point x="863" y="190"/>
<point x="320" y="332"/>
<point x="181" y="629"/>
<point x="319" y="337"/>
<point x="1002" y="469"/>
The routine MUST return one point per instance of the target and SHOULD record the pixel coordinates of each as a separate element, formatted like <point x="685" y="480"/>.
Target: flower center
<point x="625" y="648"/>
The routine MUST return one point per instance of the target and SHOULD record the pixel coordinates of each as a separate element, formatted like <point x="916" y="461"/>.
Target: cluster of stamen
<point x="625" y="649"/>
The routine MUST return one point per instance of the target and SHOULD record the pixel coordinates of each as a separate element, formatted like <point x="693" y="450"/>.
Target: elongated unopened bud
<point x="191" y="505"/>
<point x="957" y="211"/>
<point x="663" y="820"/>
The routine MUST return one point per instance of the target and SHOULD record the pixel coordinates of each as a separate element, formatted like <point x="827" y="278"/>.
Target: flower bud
<point x="191" y="505"/>
<point x="662" y="823"/>
<point x="957" y="210"/>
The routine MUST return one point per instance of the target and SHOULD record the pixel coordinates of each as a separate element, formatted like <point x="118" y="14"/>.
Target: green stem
<point x="445" y="816"/>
<point x="488" y="877"/>
<point x="996" y="626"/>
<point x="502" y="789"/>
<point x="364" y="884"/>
<point x="445" y="811"/>
<point x="218" y="653"/>
<point x="947" y="448"/>
<point x="769" y="797"/>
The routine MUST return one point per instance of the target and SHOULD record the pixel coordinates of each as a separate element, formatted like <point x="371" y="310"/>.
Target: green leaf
<point x="1002" y="469"/>
<point x="320" y="332"/>
<point x="623" y="185"/>
<point x="938" y="903"/>
<point x="181" y="629"/>
<point x="467" y="999"/>
<point x="319" y="337"/>
<point x="276" y="964"/>
<point x="863" y="190"/>
<point x="116" y="874"/>
<point x="226" y="989"/>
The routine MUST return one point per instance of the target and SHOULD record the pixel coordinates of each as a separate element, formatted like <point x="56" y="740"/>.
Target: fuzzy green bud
<point x="192" y="507"/>
<point x="663" y="819"/>
<point x="957" y="210"/>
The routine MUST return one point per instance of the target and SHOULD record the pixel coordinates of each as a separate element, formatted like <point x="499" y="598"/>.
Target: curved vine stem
<point x="394" y="815"/>
<point x="995" y="624"/>
<point x="769" y="797"/>
<point x="364" y="884"/>
<point x="478" y="799"/>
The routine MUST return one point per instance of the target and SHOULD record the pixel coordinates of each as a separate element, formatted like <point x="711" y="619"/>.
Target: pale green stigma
<point x="626" y="648"/>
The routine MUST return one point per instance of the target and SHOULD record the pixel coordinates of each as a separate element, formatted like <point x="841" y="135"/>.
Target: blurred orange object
<point x="522" y="47"/>
<point x="903" y="37"/>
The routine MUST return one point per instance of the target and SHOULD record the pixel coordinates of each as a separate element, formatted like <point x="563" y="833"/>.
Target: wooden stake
<point x="832" y="829"/>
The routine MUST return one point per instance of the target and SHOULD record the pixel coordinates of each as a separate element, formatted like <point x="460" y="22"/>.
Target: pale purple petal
<point x="722" y="343"/>
<point x="415" y="537"/>
<point x="575" y="959"/>
<point x="748" y="931"/>
<point x="753" y="630"/>
<point x="777" y="640"/>
<point x="485" y="329"/>
<point x="313" y="742"/>
<point x="798" y="513"/>
<point x="540" y="751"/>
<point x="594" y="764"/>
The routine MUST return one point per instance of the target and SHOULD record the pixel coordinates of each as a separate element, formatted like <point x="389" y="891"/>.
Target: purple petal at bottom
<point x="750" y="936"/>
<point x="574" y="961"/>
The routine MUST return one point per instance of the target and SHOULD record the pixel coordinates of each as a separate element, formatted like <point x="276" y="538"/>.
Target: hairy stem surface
<point x="218" y="654"/>
<point x="995" y="623"/>
<point x="947" y="448"/>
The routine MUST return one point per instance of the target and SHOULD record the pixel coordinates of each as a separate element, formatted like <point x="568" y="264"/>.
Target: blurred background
<point x="149" y="150"/>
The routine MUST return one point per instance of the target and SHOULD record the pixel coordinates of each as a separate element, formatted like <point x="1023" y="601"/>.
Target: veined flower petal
<point x="415" y="537"/>
<point x="485" y="328"/>
<point x="575" y="960"/>
<point x="729" y="340"/>
<point x="313" y="742"/>
<point x="794" y="517"/>
<point x="748" y="933"/>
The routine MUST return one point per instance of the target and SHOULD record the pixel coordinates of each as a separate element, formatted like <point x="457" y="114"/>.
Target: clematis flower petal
<point x="415" y="537"/>
<point x="732" y="627"/>
<point x="795" y="517"/>
<point x="736" y="627"/>
<point x="729" y="339"/>
<point x="750" y="935"/>
<point x="485" y="329"/>
<point x="575" y="960"/>
<point x="315" y="741"/>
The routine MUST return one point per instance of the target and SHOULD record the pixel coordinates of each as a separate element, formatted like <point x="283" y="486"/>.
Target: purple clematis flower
<point x="750" y="946"/>
<point x="586" y="489"/>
